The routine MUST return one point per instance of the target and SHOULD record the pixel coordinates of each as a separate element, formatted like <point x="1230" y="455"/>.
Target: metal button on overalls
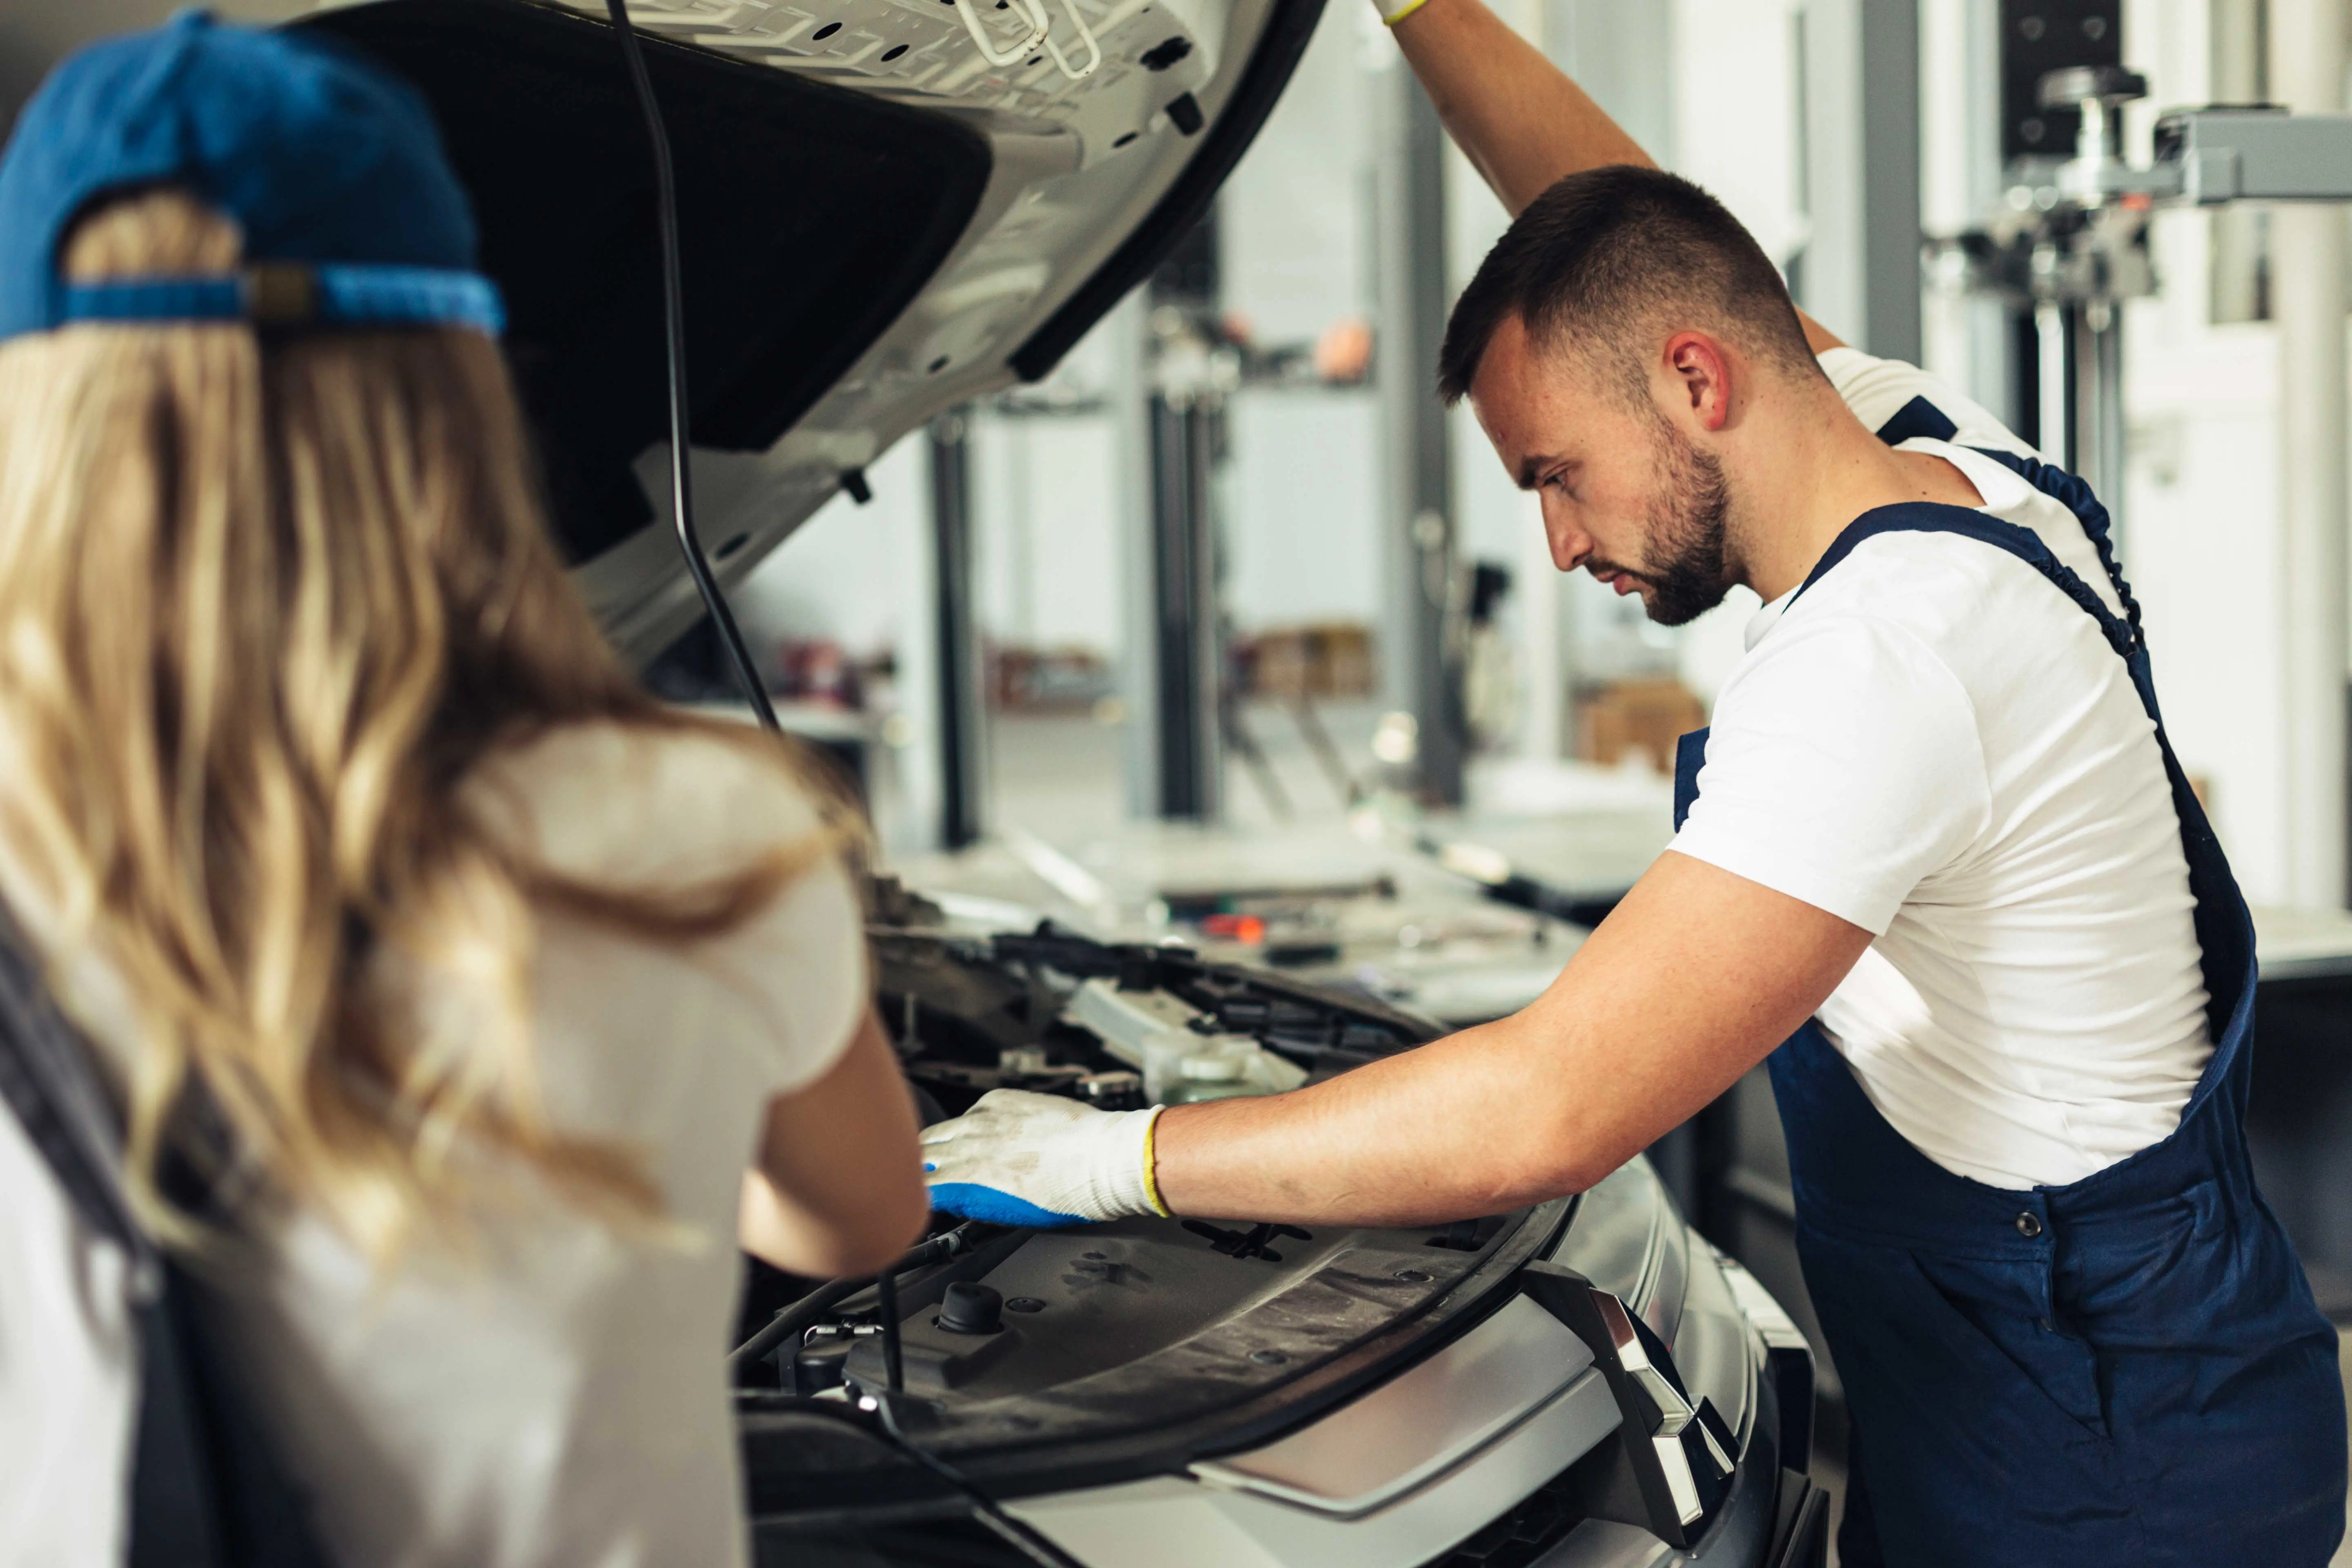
<point x="2161" y="1389"/>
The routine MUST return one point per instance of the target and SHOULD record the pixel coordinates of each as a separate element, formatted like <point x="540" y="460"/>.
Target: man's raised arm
<point x="1517" y="116"/>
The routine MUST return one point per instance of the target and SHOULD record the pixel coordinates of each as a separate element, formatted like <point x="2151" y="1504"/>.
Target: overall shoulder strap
<point x="1920" y="417"/>
<point x="49" y="1079"/>
<point x="2225" y="934"/>
<point x="1933" y="517"/>
<point x="2070" y="491"/>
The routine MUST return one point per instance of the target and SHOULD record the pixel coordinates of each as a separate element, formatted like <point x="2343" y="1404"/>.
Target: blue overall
<point x="2126" y="1370"/>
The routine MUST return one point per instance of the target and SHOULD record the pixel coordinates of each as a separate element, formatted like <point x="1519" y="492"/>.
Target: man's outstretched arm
<point x="1696" y="978"/>
<point x="1517" y="116"/>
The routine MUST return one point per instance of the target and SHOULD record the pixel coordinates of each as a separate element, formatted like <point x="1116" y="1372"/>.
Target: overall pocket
<point x="2008" y="1309"/>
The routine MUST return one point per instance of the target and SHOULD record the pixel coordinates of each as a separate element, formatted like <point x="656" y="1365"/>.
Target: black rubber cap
<point x="971" y="1309"/>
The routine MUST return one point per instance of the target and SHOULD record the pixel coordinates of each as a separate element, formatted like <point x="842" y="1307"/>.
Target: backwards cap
<point x="331" y="168"/>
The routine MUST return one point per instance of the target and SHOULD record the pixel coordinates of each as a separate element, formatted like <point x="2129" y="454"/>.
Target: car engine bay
<point x="1033" y="1365"/>
<point x="1015" y="1336"/>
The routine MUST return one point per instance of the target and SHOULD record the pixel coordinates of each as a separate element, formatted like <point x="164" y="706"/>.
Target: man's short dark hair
<point x="1606" y="259"/>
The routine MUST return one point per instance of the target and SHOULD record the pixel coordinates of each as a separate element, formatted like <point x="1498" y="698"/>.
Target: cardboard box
<point x="1332" y="659"/>
<point x="1645" y="717"/>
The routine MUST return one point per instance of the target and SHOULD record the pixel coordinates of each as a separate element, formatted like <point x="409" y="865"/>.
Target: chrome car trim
<point x="1180" y="1522"/>
<point x="1418" y="1424"/>
<point x="1789" y="1364"/>
<point x="1718" y="1352"/>
<point x="1629" y="1240"/>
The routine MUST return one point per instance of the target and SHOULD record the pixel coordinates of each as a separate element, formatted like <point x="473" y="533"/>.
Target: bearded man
<point x="1935" y="860"/>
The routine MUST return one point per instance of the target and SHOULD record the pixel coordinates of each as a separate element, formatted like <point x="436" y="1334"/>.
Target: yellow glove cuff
<point x="1390" y="18"/>
<point x="1151" y="1128"/>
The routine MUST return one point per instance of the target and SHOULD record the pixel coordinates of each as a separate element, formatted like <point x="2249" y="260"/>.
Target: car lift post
<point x="963" y="707"/>
<point x="1173" y="377"/>
<point x="1185" y="601"/>
<point x="1426" y="634"/>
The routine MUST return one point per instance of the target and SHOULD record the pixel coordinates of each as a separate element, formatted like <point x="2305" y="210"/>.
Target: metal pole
<point x="1184" y="605"/>
<point x="1132" y="408"/>
<point x="2055" y="436"/>
<point x="2103" y="323"/>
<point x="1422" y="643"/>
<point x="963" y="706"/>
<point x="1890" y="177"/>
<point x="2308" y="248"/>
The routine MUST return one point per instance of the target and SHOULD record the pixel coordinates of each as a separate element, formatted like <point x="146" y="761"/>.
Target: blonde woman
<point x="340" y="830"/>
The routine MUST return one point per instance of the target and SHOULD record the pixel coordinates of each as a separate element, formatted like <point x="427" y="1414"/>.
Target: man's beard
<point x="1690" y="574"/>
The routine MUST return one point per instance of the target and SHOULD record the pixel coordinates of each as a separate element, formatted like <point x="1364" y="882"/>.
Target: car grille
<point x="962" y="1543"/>
<point x="1525" y="1534"/>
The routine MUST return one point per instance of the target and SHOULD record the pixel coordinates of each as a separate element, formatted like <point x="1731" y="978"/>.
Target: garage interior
<point x="1868" y="132"/>
<point x="1211" y="630"/>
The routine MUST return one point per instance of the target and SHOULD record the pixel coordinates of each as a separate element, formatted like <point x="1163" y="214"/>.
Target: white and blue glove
<point x="1039" y="1159"/>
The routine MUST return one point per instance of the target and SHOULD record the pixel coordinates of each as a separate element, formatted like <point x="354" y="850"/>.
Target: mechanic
<point x="1935" y="842"/>
<point x="335" y="818"/>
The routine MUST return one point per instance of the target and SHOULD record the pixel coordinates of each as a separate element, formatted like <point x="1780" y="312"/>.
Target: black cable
<point x="793" y="1320"/>
<point x="825" y="1297"/>
<point x="886" y="1301"/>
<point x="1025" y="1539"/>
<point x="673" y="327"/>
<point x="1022" y="1538"/>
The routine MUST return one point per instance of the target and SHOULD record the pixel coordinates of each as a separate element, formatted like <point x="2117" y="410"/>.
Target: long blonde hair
<point x="263" y="605"/>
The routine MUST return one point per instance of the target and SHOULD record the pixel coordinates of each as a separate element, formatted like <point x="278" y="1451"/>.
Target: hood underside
<point x="877" y="224"/>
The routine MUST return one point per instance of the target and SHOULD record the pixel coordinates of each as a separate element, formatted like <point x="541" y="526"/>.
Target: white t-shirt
<point x="1937" y="744"/>
<point x="556" y="1397"/>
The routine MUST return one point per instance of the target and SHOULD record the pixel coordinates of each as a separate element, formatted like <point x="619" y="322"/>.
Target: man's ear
<point x="1699" y="370"/>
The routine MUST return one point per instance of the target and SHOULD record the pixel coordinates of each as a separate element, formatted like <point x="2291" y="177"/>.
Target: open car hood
<point x="877" y="224"/>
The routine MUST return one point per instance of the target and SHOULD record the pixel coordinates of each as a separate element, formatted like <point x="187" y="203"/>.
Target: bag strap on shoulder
<point x="207" y="1489"/>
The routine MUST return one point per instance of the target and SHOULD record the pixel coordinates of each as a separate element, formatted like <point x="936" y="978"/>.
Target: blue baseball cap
<point x="332" y="169"/>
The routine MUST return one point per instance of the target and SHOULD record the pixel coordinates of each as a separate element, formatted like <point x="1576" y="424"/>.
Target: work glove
<point x="1018" y="1158"/>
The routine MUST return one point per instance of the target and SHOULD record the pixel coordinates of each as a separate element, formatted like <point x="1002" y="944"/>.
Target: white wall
<point x="1496" y="520"/>
<point x="1736" y="113"/>
<point x="1299" y="498"/>
<point x="1737" y="122"/>
<point x="846" y="574"/>
<point x="1301" y="501"/>
<point x="1295" y="223"/>
<point x="863" y="577"/>
<point x="2200" y="502"/>
<point x="1045" y="545"/>
<point x="1963" y="337"/>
